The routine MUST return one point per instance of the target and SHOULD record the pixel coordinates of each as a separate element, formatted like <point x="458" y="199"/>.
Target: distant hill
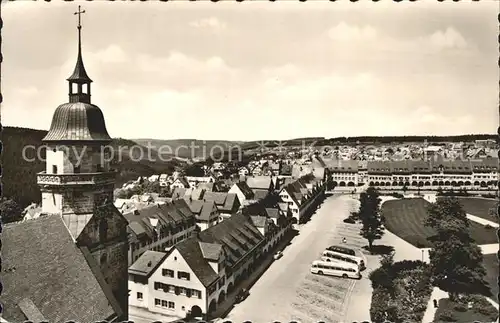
<point x="188" y="148"/>
<point x="19" y="174"/>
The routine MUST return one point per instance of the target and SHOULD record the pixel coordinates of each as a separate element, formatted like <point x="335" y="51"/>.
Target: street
<point x="288" y="291"/>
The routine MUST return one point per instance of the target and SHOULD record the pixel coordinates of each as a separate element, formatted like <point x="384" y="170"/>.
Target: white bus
<point x="341" y="257"/>
<point x="343" y="270"/>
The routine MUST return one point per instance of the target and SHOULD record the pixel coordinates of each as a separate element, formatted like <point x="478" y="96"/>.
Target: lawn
<point x="481" y="311"/>
<point x="491" y="264"/>
<point x="479" y="207"/>
<point x="406" y="218"/>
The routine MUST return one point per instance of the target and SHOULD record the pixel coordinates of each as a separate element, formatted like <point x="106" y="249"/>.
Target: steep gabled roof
<point x="193" y="255"/>
<point x="43" y="270"/>
<point x="259" y="182"/>
<point x="245" y="189"/>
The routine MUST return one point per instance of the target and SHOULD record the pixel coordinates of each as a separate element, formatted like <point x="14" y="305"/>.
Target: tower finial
<point x="79" y="13"/>
<point x="81" y="91"/>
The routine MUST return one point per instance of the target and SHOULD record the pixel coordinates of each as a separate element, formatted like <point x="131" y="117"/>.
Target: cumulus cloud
<point x="111" y="54"/>
<point x="344" y="32"/>
<point x="365" y="36"/>
<point x="209" y="23"/>
<point x="448" y="39"/>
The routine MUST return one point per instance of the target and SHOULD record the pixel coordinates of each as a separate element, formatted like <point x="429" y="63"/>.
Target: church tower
<point x="78" y="183"/>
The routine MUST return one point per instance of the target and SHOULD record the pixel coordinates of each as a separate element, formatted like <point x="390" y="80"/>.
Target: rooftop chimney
<point x="149" y="264"/>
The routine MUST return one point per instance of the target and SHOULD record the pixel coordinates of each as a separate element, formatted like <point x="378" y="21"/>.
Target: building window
<point x="157" y="302"/>
<point x="168" y="273"/>
<point x="183" y="275"/>
<point x="139" y="296"/>
<point x="171" y="305"/>
<point x="164" y="303"/>
<point x="76" y="169"/>
<point x="54" y="169"/>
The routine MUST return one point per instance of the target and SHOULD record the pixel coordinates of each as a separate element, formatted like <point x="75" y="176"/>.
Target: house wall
<point x="294" y="208"/>
<point x="135" y="288"/>
<point x="236" y="190"/>
<point x="182" y="303"/>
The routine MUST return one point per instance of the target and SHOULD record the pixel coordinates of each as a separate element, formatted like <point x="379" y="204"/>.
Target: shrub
<point x="460" y="307"/>
<point x="482" y="306"/>
<point x="447" y="316"/>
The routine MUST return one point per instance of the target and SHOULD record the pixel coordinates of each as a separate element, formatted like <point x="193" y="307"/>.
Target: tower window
<point x="54" y="169"/>
<point x="103" y="229"/>
<point x="76" y="169"/>
<point x="104" y="259"/>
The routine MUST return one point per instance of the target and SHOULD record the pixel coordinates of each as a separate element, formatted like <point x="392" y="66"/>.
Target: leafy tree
<point x="195" y="170"/>
<point x="493" y="212"/>
<point x="150" y="187"/>
<point x="456" y="261"/>
<point x="369" y="214"/>
<point x="165" y="192"/>
<point x="10" y="211"/>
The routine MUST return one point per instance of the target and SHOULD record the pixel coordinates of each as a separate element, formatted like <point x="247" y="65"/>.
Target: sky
<point x="258" y="70"/>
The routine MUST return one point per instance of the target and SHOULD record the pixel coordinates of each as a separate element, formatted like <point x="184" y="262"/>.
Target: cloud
<point x="184" y="71"/>
<point x="212" y="23"/>
<point x="111" y="54"/>
<point x="27" y="91"/>
<point x="368" y="38"/>
<point x="448" y="39"/>
<point x="432" y="117"/>
<point x="344" y="32"/>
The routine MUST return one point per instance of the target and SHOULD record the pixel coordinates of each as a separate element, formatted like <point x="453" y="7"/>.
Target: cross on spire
<point x="79" y="13"/>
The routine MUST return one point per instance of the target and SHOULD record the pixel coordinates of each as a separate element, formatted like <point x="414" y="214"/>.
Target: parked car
<point x="242" y="295"/>
<point x="278" y="255"/>
<point x="349" y="220"/>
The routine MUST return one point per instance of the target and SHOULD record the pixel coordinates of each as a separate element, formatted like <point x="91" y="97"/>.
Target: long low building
<point x="195" y="275"/>
<point x="416" y="173"/>
<point x="301" y="195"/>
<point x="158" y="227"/>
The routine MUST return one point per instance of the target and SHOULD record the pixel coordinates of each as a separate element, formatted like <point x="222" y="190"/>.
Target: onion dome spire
<point x="78" y="120"/>
<point x="79" y="81"/>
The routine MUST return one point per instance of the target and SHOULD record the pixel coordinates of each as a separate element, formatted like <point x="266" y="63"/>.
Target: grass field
<point x="491" y="264"/>
<point x="406" y="219"/>
<point x="479" y="207"/>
